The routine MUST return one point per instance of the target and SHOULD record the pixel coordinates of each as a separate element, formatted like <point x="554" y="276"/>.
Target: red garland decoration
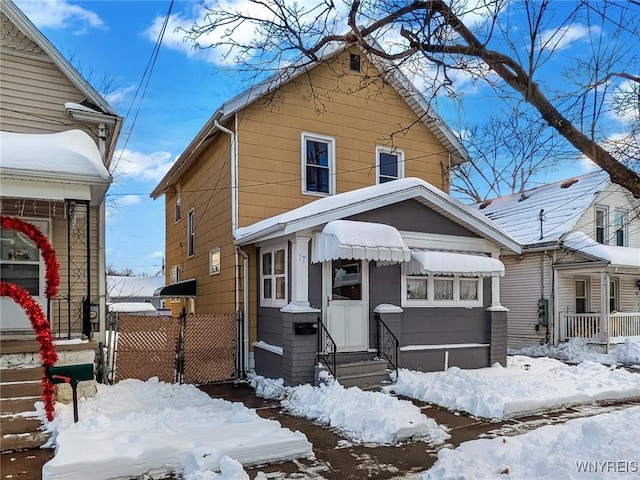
<point x="48" y="355"/>
<point x="48" y="253"/>
<point x="39" y="322"/>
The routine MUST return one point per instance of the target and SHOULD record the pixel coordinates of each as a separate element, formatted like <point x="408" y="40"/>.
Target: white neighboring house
<point x="579" y="271"/>
<point x="134" y="290"/>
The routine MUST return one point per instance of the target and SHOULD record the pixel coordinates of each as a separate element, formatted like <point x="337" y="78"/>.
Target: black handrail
<point x="326" y="348"/>
<point x="387" y="343"/>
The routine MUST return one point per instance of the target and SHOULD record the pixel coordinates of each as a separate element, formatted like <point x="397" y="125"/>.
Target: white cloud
<point x="59" y="14"/>
<point x="119" y="96"/>
<point x="156" y="254"/>
<point x="558" y="39"/>
<point x="128" y="200"/>
<point x="140" y="166"/>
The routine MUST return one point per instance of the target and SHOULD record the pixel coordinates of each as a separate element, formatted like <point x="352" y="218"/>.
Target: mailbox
<point x="71" y="374"/>
<point x="305" y="328"/>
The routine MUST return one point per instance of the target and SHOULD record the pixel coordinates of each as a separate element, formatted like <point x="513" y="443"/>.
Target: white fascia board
<point x="439" y="241"/>
<point x="48" y="177"/>
<point x="45" y="190"/>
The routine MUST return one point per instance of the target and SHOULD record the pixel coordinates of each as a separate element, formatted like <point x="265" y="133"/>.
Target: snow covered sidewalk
<point x="134" y="428"/>
<point x="602" y="446"/>
<point x="371" y="418"/>
<point x="526" y="386"/>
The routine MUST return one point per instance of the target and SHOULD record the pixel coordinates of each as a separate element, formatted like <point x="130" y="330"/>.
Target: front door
<point x="346" y="288"/>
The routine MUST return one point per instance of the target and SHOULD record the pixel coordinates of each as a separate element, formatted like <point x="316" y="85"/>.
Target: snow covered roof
<point x="342" y="205"/>
<point x="435" y="262"/>
<point x="360" y="241"/>
<point x="393" y="75"/>
<point x="615" y="256"/>
<point x="132" y="307"/>
<point x="563" y="203"/>
<point x="54" y="166"/>
<point x="126" y="287"/>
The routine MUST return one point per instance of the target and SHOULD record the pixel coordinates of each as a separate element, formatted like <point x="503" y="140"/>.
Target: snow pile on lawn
<point x="135" y="428"/>
<point x="577" y="350"/>
<point x="602" y="446"/>
<point x="363" y="417"/>
<point x="527" y="385"/>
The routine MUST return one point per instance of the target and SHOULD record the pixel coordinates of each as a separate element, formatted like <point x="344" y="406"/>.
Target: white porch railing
<point x="587" y="325"/>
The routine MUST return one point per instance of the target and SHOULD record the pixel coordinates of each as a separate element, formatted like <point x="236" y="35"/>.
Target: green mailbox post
<point x="71" y="374"/>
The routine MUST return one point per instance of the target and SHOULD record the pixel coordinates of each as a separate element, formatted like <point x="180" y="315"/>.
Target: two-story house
<point x="314" y="206"/>
<point x="579" y="271"/>
<point x="58" y="136"/>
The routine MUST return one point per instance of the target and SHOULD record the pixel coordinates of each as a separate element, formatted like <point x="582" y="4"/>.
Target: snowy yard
<point x="134" y="427"/>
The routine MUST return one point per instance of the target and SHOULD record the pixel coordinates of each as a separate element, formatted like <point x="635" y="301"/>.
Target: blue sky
<point x="115" y="40"/>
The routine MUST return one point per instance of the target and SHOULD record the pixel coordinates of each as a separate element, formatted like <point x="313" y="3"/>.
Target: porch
<point x="599" y="328"/>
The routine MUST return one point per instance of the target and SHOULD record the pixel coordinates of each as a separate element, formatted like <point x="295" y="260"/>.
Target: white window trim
<point x="614" y="239"/>
<point x="614" y="284"/>
<point x="274" y="302"/>
<point x="176" y="274"/>
<point x="178" y="205"/>
<point x="191" y="233"/>
<point x="587" y="293"/>
<point x="605" y="234"/>
<point x="394" y="151"/>
<point x="332" y="162"/>
<point x="212" y="270"/>
<point x="431" y="302"/>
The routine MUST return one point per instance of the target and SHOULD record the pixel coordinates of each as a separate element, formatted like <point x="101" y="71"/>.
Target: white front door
<point x="346" y="287"/>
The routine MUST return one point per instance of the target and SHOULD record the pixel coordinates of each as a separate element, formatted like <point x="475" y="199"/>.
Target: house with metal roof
<point x="579" y="271"/>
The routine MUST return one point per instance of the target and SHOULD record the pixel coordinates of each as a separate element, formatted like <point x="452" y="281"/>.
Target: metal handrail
<point x="326" y="348"/>
<point x="387" y="343"/>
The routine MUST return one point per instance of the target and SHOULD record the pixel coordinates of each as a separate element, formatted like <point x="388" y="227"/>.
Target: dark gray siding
<point x="268" y="364"/>
<point x="270" y="325"/>
<point x="413" y="216"/>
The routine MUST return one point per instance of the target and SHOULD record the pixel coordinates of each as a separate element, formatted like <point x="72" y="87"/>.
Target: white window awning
<point x="449" y="263"/>
<point x="348" y="239"/>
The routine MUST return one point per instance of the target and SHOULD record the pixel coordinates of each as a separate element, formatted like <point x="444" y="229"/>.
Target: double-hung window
<point x="389" y="164"/>
<point x="177" y="204"/>
<point x="20" y="262"/>
<point x="191" y="233"/>
<point x="441" y="291"/>
<point x="273" y="277"/>
<point x="318" y="164"/>
<point x="620" y="227"/>
<point x="601" y="220"/>
<point x="582" y="295"/>
<point x="214" y="261"/>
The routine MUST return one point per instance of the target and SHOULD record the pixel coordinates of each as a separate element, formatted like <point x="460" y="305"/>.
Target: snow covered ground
<point x="526" y="386"/>
<point x="361" y="416"/>
<point x="134" y="428"/>
<point x="602" y="446"/>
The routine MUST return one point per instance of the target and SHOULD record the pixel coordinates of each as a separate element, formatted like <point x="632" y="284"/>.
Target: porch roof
<point x="183" y="289"/>
<point x="360" y="241"/>
<point x="52" y="166"/>
<point x="615" y="256"/>
<point x="448" y="263"/>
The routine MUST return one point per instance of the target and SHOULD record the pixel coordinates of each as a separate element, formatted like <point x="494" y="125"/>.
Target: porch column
<point x="604" y="309"/>
<point x="300" y="271"/>
<point x="495" y="285"/>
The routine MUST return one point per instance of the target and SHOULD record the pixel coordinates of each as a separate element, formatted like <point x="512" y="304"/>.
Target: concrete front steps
<point x="365" y="374"/>
<point x="20" y="388"/>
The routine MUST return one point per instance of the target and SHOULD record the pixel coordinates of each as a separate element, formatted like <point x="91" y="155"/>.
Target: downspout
<point x="245" y="326"/>
<point x="102" y="271"/>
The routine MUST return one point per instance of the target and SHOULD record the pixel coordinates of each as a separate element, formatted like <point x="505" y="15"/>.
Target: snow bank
<point x="363" y="417"/>
<point x="528" y="385"/>
<point x="602" y="446"/>
<point x="135" y="428"/>
<point x="577" y="350"/>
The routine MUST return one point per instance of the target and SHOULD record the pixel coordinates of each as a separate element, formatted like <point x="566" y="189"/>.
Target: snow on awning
<point x="448" y="263"/>
<point x="616" y="256"/>
<point x="347" y="239"/>
<point x="53" y="166"/>
<point x="132" y="307"/>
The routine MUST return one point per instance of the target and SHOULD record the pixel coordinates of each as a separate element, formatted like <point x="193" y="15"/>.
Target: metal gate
<point x="188" y="349"/>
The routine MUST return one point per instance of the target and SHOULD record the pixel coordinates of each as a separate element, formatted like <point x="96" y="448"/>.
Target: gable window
<point x="214" y="261"/>
<point x="20" y="259"/>
<point x="441" y="291"/>
<point x="389" y="164"/>
<point x="354" y="62"/>
<point x="613" y="295"/>
<point x="582" y="290"/>
<point x="273" y="277"/>
<point x="601" y="221"/>
<point x="178" y="202"/>
<point x="191" y="233"/>
<point x="620" y="227"/>
<point x="318" y="164"/>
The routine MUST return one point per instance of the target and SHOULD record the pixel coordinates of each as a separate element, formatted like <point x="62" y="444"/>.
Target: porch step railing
<point x="588" y="325"/>
<point x="326" y="348"/>
<point x="387" y="343"/>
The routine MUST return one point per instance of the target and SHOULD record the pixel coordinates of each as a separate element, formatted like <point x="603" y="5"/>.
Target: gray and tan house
<point x="579" y="271"/>
<point x="315" y="206"/>
<point x="57" y="139"/>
